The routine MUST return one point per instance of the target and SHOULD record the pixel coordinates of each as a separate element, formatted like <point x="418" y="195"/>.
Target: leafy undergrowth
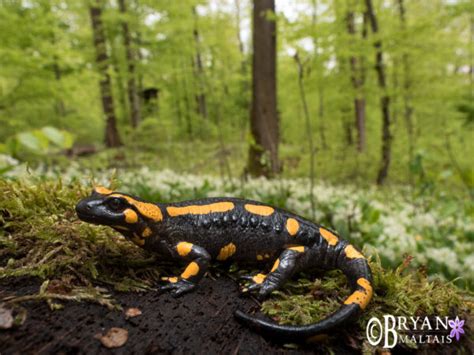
<point x="40" y="236"/>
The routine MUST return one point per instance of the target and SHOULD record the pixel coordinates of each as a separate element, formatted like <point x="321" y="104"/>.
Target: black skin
<point x="197" y="238"/>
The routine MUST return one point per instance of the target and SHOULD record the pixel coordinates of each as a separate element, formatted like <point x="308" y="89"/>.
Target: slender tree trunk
<point x="59" y="106"/>
<point x="357" y="79"/>
<point x="263" y="152"/>
<point x="187" y="106"/>
<point x="309" y="134"/>
<point x="122" y="104"/>
<point x="199" y="70"/>
<point x="239" y="37"/>
<point x="384" y="99"/>
<point x="320" y="69"/>
<point x="133" y="97"/>
<point x="112" y="138"/>
<point x="407" y="88"/>
<point x="244" y="82"/>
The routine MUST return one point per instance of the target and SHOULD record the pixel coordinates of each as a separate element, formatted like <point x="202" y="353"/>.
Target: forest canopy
<point x="355" y="81"/>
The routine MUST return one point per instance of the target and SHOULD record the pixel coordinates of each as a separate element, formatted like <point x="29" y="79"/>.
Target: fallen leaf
<point x="6" y="318"/>
<point x="132" y="312"/>
<point x="114" y="338"/>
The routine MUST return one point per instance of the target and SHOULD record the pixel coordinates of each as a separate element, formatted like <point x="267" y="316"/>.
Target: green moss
<point x="41" y="236"/>
<point x="400" y="292"/>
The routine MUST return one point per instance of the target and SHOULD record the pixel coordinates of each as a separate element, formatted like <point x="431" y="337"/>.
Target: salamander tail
<point x="358" y="273"/>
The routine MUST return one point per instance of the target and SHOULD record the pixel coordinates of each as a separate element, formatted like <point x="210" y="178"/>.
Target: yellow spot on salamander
<point x="103" y="190"/>
<point x="260" y="210"/>
<point x="226" y="252"/>
<point x="299" y="249"/>
<point x="259" y="278"/>
<point x="146" y="232"/>
<point x="191" y="270"/>
<point x="130" y="216"/>
<point x="353" y="253"/>
<point x="173" y="279"/>
<point x="148" y="210"/>
<point x="275" y="265"/>
<point x="200" y="209"/>
<point x="184" y="248"/>
<point x="362" y="298"/>
<point x="259" y="257"/>
<point x="330" y="237"/>
<point x="292" y="226"/>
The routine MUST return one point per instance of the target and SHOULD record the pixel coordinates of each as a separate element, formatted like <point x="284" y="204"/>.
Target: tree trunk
<point x="320" y="69"/>
<point x="133" y="97"/>
<point x="59" y="105"/>
<point x="407" y="85"/>
<point x="384" y="99"/>
<point x="187" y="106"/>
<point x="199" y="71"/>
<point x="357" y="79"/>
<point x="309" y="134"/>
<point x="112" y="138"/>
<point x="121" y="104"/>
<point x="263" y="152"/>
<point x="239" y="37"/>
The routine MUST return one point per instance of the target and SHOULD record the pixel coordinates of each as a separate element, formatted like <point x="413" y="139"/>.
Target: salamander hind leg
<point x="198" y="259"/>
<point x="283" y="268"/>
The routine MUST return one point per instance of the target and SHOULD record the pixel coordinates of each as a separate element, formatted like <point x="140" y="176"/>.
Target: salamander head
<point x="117" y="210"/>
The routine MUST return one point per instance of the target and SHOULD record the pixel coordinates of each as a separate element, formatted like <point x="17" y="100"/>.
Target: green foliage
<point x="39" y="142"/>
<point x="47" y="79"/>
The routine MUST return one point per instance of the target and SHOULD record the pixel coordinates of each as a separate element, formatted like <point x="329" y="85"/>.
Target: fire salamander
<point x="231" y="229"/>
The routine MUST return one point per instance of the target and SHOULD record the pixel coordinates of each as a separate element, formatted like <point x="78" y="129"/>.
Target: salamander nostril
<point x="83" y="207"/>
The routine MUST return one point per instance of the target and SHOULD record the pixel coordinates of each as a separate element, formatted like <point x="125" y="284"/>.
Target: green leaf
<point x="34" y="141"/>
<point x="61" y="139"/>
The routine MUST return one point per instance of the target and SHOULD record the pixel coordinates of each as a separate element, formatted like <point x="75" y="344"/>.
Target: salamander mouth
<point x="88" y="218"/>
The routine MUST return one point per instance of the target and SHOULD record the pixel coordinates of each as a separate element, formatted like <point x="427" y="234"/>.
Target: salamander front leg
<point x="198" y="259"/>
<point x="283" y="268"/>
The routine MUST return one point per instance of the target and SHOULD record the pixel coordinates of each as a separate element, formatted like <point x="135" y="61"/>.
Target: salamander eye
<point x="116" y="204"/>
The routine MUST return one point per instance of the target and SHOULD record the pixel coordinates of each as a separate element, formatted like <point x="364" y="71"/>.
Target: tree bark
<point x="357" y="79"/>
<point x="199" y="71"/>
<point x="263" y="152"/>
<point x="133" y="97"/>
<point x="384" y="99"/>
<point x="112" y="138"/>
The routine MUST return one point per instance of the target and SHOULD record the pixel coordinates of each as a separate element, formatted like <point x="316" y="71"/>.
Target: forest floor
<point x="199" y="322"/>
